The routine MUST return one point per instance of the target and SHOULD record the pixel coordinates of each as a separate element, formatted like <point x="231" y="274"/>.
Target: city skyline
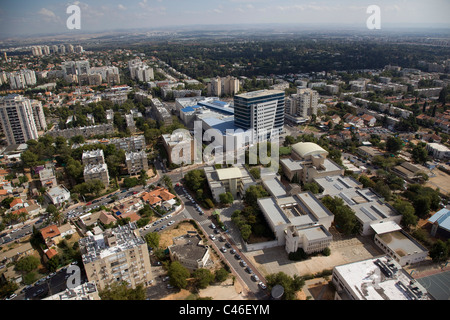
<point x="49" y="16"/>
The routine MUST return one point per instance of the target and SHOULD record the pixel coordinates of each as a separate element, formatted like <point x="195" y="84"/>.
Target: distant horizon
<point x="400" y="29"/>
<point x="26" y="18"/>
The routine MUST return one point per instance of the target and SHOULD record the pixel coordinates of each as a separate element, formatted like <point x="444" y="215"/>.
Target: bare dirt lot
<point x="441" y="181"/>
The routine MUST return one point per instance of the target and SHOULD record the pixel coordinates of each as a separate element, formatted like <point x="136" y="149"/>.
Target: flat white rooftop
<point x="229" y="173"/>
<point x="366" y="280"/>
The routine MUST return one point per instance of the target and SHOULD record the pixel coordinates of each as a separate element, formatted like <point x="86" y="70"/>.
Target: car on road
<point x="262" y="285"/>
<point x="11" y="296"/>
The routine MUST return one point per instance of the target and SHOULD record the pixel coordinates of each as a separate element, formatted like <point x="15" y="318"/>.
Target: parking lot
<point x="343" y="251"/>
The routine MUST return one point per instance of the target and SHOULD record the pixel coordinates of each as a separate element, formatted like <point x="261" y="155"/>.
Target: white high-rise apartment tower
<point x="16" y="115"/>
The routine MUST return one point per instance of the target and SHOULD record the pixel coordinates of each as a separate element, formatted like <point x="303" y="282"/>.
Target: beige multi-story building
<point x="96" y="172"/>
<point x="118" y="254"/>
<point x="179" y="146"/>
<point x="223" y="86"/>
<point x="303" y="104"/>
<point x="17" y="119"/>
<point x="136" y="162"/>
<point x="93" y="157"/>
<point x="309" y="161"/>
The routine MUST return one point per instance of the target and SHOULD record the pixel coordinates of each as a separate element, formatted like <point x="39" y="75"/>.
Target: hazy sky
<point x="49" y="16"/>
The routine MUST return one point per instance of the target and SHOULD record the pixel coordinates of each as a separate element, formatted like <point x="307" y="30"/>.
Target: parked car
<point x="262" y="285"/>
<point x="212" y="237"/>
<point x="243" y="263"/>
<point x="255" y="277"/>
<point x="223" y="249"/>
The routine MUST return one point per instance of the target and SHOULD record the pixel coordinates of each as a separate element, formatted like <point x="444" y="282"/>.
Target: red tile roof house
<point x="51" y="235"/>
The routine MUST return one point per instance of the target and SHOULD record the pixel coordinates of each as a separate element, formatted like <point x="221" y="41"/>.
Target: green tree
<point x="120" y="291"/>
<point x="344" y="217"/>
<point x="246" y="231"/>
<point x="178" y="275"/>
<point x="419" y="154"/>
<point x="439" y="251"/>
<point x="53" y="264"/>
<point x="152" y="239"/>
<point x="383" y="190"/>
<point x="221" y="274"/>
<point x="27" y="264"/>
<point x="311" y="186"/>
<point x="203" y="277"/>
<point x="195" y="179"/>
<point x="394" y="144"/>
<point x="226" y="198"/>
<point x="29" y="159"/>
<point x="291" y="285"/>
<point x="253" y="193"/>
<point x="366" y="181"/>
<point x="406" y="209"/>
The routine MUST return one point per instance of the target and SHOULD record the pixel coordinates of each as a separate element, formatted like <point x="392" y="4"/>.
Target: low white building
<point x="58" y="195"/>
<point x="438" y="151"/>
<point x="235" y="180"/>
<point x="378" y="278"/>
<point x="298" y="221"/>
<point x="400" y="246"/>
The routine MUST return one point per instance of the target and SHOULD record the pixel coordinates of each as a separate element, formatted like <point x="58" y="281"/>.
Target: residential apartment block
<point x="86" y="132"/>
<point x="303" y="104"/>
<point x="17" y="119"/>
<point x="93" y="157"/>
<point x="136" y="162"/>
<point x="118" y="254"/>
<point x="223" y="86"/>
<point x="96" y="172"/>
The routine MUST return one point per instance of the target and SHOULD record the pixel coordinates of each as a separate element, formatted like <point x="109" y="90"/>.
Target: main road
<point x="205" y="221"/>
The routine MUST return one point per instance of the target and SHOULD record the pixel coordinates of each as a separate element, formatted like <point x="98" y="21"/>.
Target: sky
<point x="20" y="17"/>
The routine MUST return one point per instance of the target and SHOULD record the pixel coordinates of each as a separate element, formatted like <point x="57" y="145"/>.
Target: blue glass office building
<point x="260" y="110"/>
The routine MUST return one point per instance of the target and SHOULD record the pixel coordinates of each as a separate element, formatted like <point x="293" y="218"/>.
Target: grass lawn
<point x="284" y="151"/>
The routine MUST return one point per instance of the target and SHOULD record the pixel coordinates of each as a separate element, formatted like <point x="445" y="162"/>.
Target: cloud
<point x="121" y="7"/>
<point x="47" y="13"/>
